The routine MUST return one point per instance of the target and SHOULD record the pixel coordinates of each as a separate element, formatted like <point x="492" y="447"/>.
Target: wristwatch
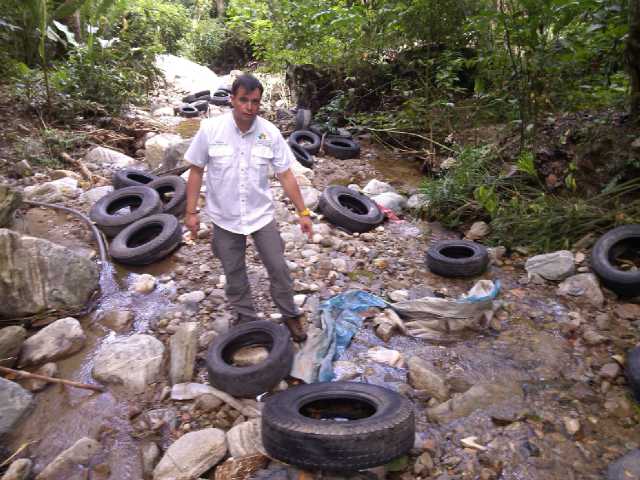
<point x="305" y="213"/>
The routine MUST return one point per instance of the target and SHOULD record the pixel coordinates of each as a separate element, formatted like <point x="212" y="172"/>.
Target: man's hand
<point x="192" y="222"/>
<point x="306" y="225"/>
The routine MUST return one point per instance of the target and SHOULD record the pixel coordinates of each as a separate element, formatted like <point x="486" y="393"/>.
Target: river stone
<point x="391" y="200"/>
<point x="478" y="397"/>
<point x="9" y="200"/>
<point x="18" y="470"/>
<point x="157" y="150"/>
<point x="423" y="377"/>
<point x="35" y="385"/>
<point x="477" y="231"/>
<point x="583" y="285"/>
<point x="117" y="320"/>
<point x="60" y="339"/>
<point x="92" y="196"/>
<point x="192" y="297"/>
<point x="14" y="402"/>
<point x="11" y="340"/>
<point x="551" y="266"/>
<point x="183" y="348"/>
<point x="106" y="156"/>
<point x="63" y="466"/>
<point x="143" y="284"/>
<point x="310" y="196"/>
<point x="37" y="275"/>
<point x="418" y="200"/>
<point x="626" y="467"/>
<point x="376" y="187"/>
<point x="245" y="439"/>
<point x="191" y="455"/>
<point x="345" y="370"/>
<point x="243" y="468"/>
<point x="133" y="362"/>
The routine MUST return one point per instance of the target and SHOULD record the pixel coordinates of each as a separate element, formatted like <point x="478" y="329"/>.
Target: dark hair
<point x="249" y="82"/>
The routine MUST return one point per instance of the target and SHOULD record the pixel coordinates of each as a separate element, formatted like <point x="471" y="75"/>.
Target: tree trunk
<point x="633" y="56"/>
<point x="220" y="8"/>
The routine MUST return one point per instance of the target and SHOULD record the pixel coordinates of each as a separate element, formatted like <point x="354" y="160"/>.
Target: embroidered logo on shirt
<point x="263" y="139"/>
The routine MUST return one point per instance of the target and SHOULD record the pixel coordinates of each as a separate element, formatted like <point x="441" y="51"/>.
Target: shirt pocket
<point x="261" y="157"/>
<point x="221" y="159"/>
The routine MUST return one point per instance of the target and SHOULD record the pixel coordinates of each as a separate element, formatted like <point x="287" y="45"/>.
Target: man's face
<point x="246" y="106"/>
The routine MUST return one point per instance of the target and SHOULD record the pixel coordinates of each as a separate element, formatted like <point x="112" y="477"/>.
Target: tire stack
<point x="141" y="216"/>
<point x="194" y="104"/>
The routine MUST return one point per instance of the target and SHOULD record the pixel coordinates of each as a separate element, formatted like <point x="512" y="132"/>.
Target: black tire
<point x="303" y="118"/>
<point x="341" y="147"/>
<point x="607" y="249"/>
<point x="312" y="140"/>
<point x="302" y="156"/>
<point x="146" y="241"/>
<point x="318" y="129"/>
<point x="381" y="426"/>
<point x="349" y="209"/>
<point x="632" y="371"/>
<point x="173" y="194"/>
<point x="131" y="177"/>
<point x="457" y="258"/>
<point x="188" y="111"/>
<point x="226" y="88"/>
<point x="202" y="93"/>
<point x="142" y="200"/>
<point x="189" y="98"/>
<point x="250" y="381"/>
<point x="221" y="98"/>
<point x="202" y="105"/>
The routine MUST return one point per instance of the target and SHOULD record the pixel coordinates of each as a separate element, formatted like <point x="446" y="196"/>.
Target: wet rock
<point x="423" y="377"/>
<point x="64" y="465"/>
<point x="584" y="285"/>
<point x="159" y="148"/>
<point x="14" y="402"/>
<point x="11" y="340"/>
<point x="610" y="371"/>
<point x="92" y="196"/>
<point x="571" y="425"/>
<point x="107" y="157"/>
<point x="9" y="200"/>
<point x="419" y="200"/>
<point x="241" y="468"/>
<point x="192" y="455"/>
<point x="18" y="470"/>
<point x="246" y="356"/>
<point x="192" y="297"/>
<point x="60" y="339"/>
<point x="477" y="231"/>
<point x="626" y="467"/>
<point x="551" y="266"/>
<point x="133" y="362"/>
<point x="118" y="320"/>
<point x="376" y="187"/>
<point x="149" y="453"/>
<point x="391" y="200"/>
<point x="480" y="396"/>
<point x="143" y="284"/>
<point x="48" y="370"/>
<point x="245" y="439"/>
<point x="385" y="355"/>
<point x="207" y="403"/>
<point x="183" y="348"/>
<point x="345" y="370"/>
<point x="38" y="275"/>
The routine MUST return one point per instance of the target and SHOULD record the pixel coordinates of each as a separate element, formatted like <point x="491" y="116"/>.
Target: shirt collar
<point x="252" y="128"/>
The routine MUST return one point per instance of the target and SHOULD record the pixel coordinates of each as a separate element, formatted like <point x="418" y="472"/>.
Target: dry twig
<point x="35" y="376"/>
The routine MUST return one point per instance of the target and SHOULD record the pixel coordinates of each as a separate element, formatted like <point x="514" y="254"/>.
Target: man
<point x="238" y="148"/>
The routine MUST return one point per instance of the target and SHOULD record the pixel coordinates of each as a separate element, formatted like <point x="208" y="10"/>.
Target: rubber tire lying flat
<point x="173" y="194"/>
<point x="250" y="381"/>
<point x="202" y="93"/>
<point x="313" y="147"/>
<point x="457" y="258"/>
<point x="143" y="201"/>
<point x="221" y="98"/>
<point x="386" y="433"/>
<point x="341" y="147"/>
<point x="146" y="241"/>
<point x="131" y="177"/>
<point x="303" y="157"/>
<point x="188" y="111"/>
<point x="202" y="104"/>
<point x="608" y="247"/>
<point x="349" y="209"/>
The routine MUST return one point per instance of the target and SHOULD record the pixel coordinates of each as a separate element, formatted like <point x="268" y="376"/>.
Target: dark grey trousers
<point x="231" y="248"/>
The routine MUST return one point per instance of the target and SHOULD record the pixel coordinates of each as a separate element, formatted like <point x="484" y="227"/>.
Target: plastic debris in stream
<point x="427" y="317"/>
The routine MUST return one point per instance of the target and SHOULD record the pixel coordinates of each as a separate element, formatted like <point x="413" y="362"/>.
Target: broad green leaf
<point x="67" y="33"/>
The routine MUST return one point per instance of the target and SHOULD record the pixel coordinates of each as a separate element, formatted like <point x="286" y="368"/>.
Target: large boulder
<point x="9" y="201"/>
<point x="14" y="402"/>
<point x="37" y="275"/>
<point x="107" y="157"/>
<point x="165" y="150"/>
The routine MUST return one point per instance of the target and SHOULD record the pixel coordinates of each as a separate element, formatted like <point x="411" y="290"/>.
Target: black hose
<point x="96" y="233"/>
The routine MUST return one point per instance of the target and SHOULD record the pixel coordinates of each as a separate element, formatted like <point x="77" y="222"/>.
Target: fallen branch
<point x="35" y="376"/>
<point x="84" y="171"/>
<point x="15" y="454"/>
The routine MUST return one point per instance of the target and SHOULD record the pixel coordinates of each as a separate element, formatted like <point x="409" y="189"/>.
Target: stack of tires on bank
<point x="198" y="102"/>
<point x="141" y="216"/>
<point x="333" y="426"/>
